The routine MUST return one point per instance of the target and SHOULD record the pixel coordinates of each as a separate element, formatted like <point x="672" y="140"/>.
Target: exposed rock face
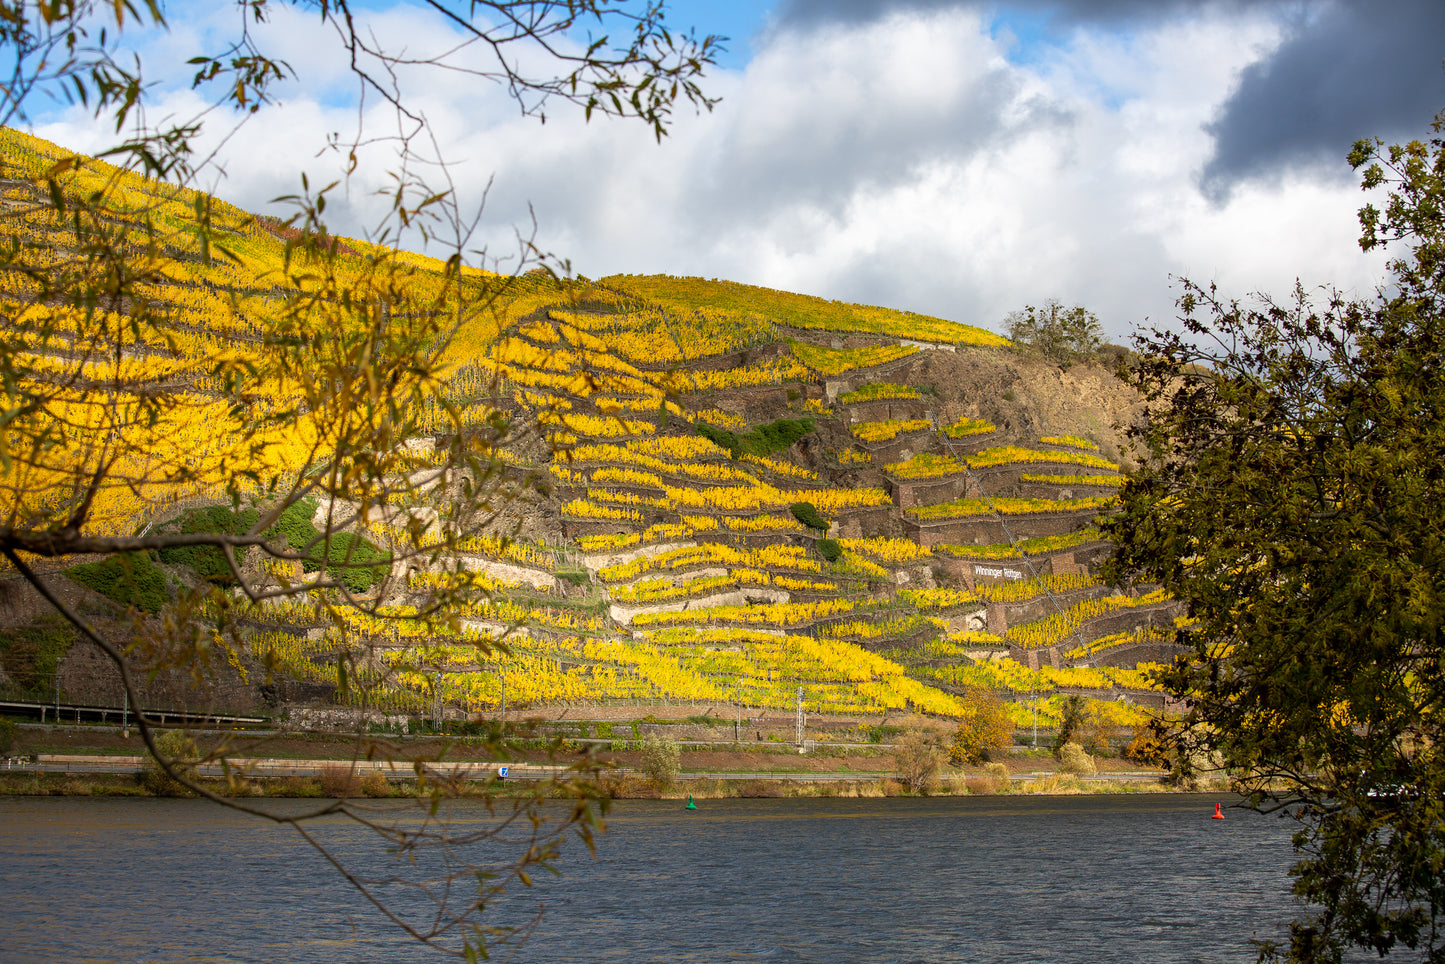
<point x="1027" y="397"/>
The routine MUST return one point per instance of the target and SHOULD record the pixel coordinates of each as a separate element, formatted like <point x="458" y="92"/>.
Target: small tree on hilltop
<point x="1059" y="334"/>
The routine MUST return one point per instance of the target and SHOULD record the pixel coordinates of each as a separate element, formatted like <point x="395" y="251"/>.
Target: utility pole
<point x="800" y="716"/>
<point x="124" y="714"/>
<point x="1034" y="698"/>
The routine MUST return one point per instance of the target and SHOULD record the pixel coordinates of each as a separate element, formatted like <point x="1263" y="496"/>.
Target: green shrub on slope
<point x="209" y="562"/>
<point x="130" y="579"/>
<point x="762" y="441"/>
<point x="807" y="514"/>
<point x="347" y="557"/>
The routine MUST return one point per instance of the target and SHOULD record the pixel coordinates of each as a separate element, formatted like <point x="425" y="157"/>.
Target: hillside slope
<point x="732" y="496"/>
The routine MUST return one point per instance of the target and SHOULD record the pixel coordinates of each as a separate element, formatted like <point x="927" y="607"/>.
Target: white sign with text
<point x="997" y="572"/>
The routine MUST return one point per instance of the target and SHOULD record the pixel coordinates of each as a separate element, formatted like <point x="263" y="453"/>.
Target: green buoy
<point x="690" y="804"/>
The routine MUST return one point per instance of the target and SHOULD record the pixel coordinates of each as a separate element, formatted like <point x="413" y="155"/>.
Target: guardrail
<point x="79" y="712"/>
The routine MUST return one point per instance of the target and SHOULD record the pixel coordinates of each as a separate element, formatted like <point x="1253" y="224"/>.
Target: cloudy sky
<point x="945" y="156"/>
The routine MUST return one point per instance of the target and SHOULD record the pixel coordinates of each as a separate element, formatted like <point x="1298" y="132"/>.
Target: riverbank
<point x="93" y="760"/>
<point x="117" y="775"/>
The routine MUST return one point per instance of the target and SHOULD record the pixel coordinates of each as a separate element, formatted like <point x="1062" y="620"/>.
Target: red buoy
<point x="1218" y="814"/>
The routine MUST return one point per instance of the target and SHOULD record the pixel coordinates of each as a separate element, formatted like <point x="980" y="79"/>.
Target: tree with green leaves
<point x="291" y="434"/>
<point x="1292" y="493"/>
<point x="1071" y="721"/>
<point x="1059" y="334"/>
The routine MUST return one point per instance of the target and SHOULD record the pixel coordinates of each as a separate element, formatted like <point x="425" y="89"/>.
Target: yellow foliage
<point x="874" y="391"/>
<point x="835" y="361"/>
<point x="892" y="551"/>
<point x="924" y="465"/>
<point x="966" y="427"/>
<point x="1071" y="440"/>
<point x="1111" y="481"/>
<point x="738" y="305"/>
<point x="966" y="508"/>
<point x="583" y="509"/>
<point x="720" y="419"/>
<point x="1013" y="454"/>
<point x="884" y="431"/>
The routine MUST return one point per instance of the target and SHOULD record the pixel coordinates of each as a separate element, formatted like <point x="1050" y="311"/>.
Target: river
<point x="1127" y="878"/>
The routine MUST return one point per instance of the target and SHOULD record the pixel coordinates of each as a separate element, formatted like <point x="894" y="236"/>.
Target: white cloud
<point x="903" y="162"/>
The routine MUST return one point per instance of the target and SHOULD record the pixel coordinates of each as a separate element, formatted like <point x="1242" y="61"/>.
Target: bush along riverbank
<point x="620" y="786"/>
<point x="127" y="776"/>
<point x="92" y="760"/>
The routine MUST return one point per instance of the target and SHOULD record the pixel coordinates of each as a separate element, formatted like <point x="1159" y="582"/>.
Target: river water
<point x="1128" y="878"/>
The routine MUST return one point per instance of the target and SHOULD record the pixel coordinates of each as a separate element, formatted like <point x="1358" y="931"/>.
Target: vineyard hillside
<point x="736" y="499"/>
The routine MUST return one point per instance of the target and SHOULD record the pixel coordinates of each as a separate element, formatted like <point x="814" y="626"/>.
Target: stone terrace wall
<point x="1107" y="625"/>
<point x="1052" y="490"/>
<point x="987" y="530"/>
<point x="887" y="410"/>
<point x="1129" y="657"/>
<point x="1007" y="480"/>
<point x="1016" y="613"/>
<point x="911" y="493"/>
<point x="965" y="573"/>
<point x="904" y="447"/>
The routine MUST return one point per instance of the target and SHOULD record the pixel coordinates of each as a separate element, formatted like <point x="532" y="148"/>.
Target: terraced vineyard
<point x="736" y="494"/>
